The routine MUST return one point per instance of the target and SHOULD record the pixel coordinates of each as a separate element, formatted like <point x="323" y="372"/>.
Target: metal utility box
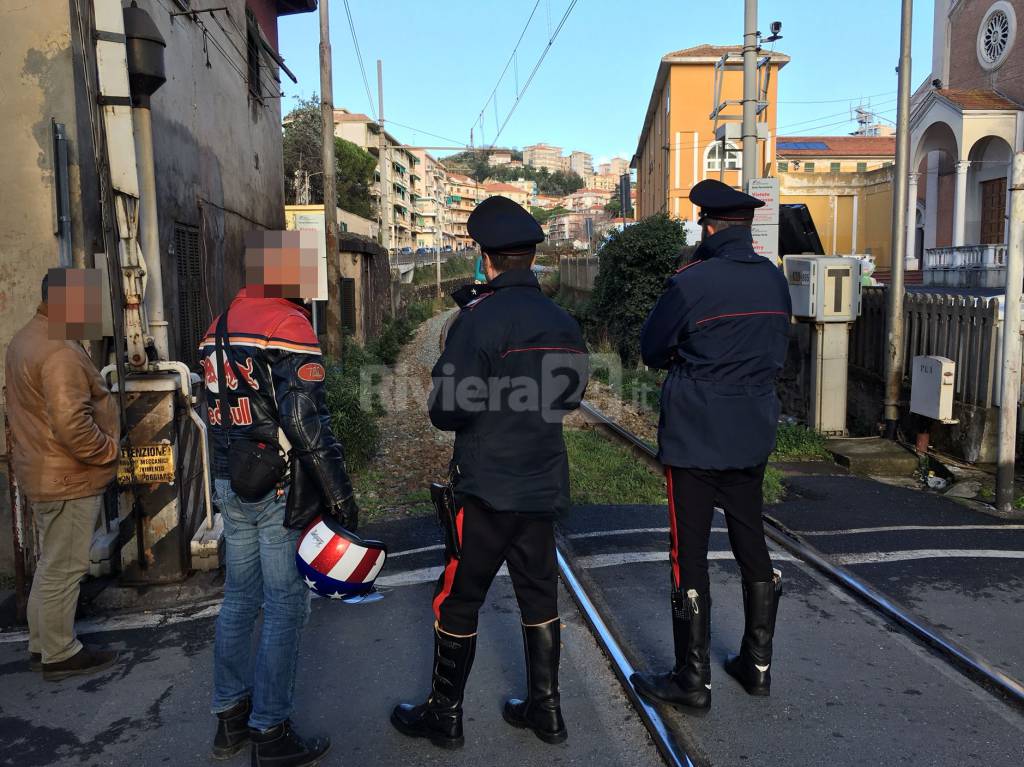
<point x="931" y="388"/>
<point x="824" y="288"/>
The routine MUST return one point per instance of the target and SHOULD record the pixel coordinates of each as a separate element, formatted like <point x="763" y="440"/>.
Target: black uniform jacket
<point x="721" y="330"/>
<point x="276" y="352"/>
<point x="513" y="366"/>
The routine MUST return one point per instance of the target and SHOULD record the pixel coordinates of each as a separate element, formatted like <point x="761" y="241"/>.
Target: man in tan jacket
<point x="65" y="444"/>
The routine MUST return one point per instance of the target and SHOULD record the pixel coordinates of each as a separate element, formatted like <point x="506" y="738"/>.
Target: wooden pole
<point x="334" y="335"/>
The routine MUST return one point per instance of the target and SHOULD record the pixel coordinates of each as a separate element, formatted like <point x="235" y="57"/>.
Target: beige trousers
<point x="65" y="533"/>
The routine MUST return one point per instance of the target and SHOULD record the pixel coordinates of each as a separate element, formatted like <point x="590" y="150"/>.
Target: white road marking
<point x="900" y="528"/>
<point x="596" y="561"/>
<point x="877" y="557"/>
<point x="407" y="552"/>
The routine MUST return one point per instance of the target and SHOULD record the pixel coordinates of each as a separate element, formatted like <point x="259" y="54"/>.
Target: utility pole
<point x="330" y="190"/>
<point x="385" y="208"/>
<point x="894" y="360"/>
<point x="749" y="129"/>
<point x="1010" y="388"/>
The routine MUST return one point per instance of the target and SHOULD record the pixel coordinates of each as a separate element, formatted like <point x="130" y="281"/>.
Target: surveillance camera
<point x="776" y="27"/>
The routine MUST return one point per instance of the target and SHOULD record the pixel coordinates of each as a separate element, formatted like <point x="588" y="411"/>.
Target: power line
<point x="533" y="72"/>
<point x="359" y="58"/>
<point x="837" y="101"/>
<point x="507" y="63"/>
<point x="425" y="133"/>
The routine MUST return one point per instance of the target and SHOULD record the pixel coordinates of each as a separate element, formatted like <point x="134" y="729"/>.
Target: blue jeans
<point x="261" y="572"/>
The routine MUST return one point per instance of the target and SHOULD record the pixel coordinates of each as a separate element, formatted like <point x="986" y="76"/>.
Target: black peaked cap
<point x="499" y="224"/>
<point x="720" y="200"/>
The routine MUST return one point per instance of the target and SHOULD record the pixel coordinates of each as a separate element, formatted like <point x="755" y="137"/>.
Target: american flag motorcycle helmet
<point x="336" y="563"/>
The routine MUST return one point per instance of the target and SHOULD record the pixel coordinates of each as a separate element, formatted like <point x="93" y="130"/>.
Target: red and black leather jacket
<point x="282" y="397"/>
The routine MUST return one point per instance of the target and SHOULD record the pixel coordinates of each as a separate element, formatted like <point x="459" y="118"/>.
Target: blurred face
<point x="74" y="311"/>
<point x="281" y="264"/>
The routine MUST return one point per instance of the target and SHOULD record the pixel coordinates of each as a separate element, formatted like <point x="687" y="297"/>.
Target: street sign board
<point x="766" y="241"/>
<point x="766" y="190"/>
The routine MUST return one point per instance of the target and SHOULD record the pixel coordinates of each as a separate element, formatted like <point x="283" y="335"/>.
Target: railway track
<point x="965" y="660"/>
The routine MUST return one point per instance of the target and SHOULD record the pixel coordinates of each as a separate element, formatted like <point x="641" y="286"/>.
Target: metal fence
<point x="578" y="272"/>
<point x="965" y="329"/>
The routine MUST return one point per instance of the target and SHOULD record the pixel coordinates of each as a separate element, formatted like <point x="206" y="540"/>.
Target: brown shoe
<point x="35" y="661"/>
<point x="85" y="661"/>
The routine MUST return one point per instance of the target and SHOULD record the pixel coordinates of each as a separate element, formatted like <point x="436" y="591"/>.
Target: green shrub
<point x="634" y="265"/>
<point x="772" y="490"/>
<point x="795" y="442"/>
<point x="355" y="427"/>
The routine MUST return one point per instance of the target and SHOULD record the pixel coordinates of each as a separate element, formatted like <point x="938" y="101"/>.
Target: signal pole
<point x="1010" y="388"/>
<point x="333" y="346"/>
<point x="749" y="128"/>
<point x="895" y="359"/>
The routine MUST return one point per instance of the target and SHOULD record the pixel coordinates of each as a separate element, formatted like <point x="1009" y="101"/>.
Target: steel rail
<point x="973" y="665"/>
<point x="656" y="727"/>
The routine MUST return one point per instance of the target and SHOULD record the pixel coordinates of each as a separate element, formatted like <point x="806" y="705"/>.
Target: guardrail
<point x="578" y="272"/>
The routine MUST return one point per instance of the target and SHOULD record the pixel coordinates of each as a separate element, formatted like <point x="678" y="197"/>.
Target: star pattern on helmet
<point x="310" y="583"/>
<point x="337" y="595"/>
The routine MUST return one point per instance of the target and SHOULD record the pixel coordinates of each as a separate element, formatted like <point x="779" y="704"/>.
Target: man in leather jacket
<point x="274" y="375"/>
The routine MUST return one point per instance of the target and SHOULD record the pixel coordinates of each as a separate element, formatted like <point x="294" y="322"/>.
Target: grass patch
<point x="795" y="442"/>
<point x="773" y="490"/>
<point x="635" y="386"/>
<point x="602" y="472"/>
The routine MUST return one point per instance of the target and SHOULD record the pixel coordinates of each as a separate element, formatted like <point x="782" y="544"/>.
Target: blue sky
<point x="443" y="59"/>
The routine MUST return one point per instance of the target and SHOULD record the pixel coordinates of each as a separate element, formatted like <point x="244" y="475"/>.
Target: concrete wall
<point x="852" y="211"/>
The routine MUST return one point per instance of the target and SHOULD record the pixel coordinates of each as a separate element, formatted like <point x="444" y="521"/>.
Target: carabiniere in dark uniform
<point x="513" y="366"/>
<point x="720" y="329"/>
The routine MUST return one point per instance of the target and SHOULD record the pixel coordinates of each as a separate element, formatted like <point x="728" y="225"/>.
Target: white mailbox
<point x="824" y="288"/>
<point x="931" y="388"/>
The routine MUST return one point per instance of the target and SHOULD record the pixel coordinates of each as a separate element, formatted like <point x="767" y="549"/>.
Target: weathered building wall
<point x="36" y="85"/>
<point x="218" y="156"/>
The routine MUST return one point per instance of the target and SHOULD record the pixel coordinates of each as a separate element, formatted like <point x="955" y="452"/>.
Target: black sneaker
<point x="232" y="730"/>
<point x="85" y="661"/>
<point x="281" y="746"/>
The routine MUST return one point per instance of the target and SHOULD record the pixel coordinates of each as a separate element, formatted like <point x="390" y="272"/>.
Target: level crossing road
<point x="356" y="662"/>
<point x="848" y="688"/>
<point x="960" y="569"/>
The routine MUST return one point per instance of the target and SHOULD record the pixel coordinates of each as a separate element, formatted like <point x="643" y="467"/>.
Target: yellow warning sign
<point x="153" y="463"/>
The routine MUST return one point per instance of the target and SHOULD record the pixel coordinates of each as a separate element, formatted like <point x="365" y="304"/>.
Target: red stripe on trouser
<point x="673" y="532"/>
<point x="365" y="565"/>
<point x="449" y="570"/>
<point x="330" y="555"/>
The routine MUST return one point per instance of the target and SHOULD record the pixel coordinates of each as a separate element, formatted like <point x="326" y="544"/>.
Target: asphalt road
<point x="356" y="663"/>
<point x="848" y="688"/>
<point x="960" y="569"/>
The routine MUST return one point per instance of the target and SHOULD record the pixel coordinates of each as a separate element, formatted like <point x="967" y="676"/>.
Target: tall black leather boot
<point x="281" y="746"/>
<point x="688" y="684"/>
<point x="541" y="711"/>
<point x="232" y="730"/>
<point x="752" y="667"/>
<point x="440" y="718"/>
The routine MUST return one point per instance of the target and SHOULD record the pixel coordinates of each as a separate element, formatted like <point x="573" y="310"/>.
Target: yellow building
<point x="512" y="191"/>
<point x="677" y="146"/>
<point x="834" y="154"/>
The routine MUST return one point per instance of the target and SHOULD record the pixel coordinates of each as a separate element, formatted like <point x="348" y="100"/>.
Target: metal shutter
<point x="190" y="279"/>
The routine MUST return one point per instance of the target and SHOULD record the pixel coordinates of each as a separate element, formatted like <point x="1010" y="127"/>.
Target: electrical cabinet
<point x="824" y="288"/>
<point x="932" y="383"/>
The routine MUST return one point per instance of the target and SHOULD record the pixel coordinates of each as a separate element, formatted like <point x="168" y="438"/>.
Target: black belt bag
<point x="256" y="466"/>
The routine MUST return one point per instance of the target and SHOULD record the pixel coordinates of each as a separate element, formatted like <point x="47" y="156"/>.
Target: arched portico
<point x="962" y="145"/>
